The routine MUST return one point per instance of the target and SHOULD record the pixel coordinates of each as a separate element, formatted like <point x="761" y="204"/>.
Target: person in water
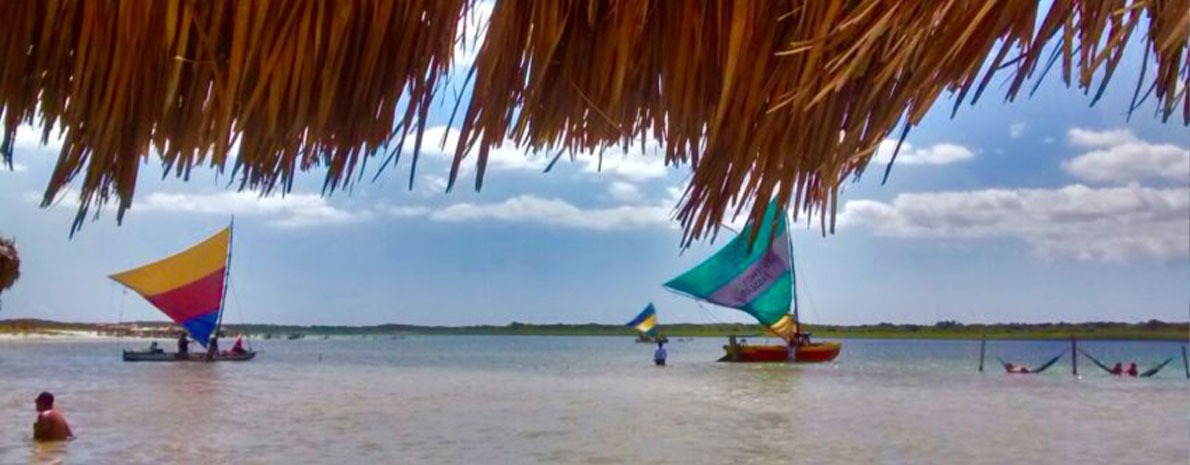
<point x="1117" y="370"/>
<point x="1132" y="369"/>
<point x="660" y="354"/>
<point x="183" y="346"/>
<point x="51" y="424"/>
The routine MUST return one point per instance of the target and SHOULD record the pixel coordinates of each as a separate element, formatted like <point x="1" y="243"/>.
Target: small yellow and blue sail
<point x="757" y="279"/>
<point x="187" y="286"/>
<point x="646" y="322"/>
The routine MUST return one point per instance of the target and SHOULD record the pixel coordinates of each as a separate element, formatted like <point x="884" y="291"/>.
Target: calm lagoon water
<point x="513" y="400"/>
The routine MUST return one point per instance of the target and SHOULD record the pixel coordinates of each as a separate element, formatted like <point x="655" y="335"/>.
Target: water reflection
<point x="587" y="400"/>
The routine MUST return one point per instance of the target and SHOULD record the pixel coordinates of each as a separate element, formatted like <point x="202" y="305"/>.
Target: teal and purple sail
<point x="757" y="280"/>
<point x="646" y="321"/>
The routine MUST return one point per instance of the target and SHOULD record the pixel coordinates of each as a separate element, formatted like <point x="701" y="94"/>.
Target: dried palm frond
<point x="10" y="264"/>
<point x="296" y="84"/>
<point x="781" y="99"/>
<point x="764" y="98"/>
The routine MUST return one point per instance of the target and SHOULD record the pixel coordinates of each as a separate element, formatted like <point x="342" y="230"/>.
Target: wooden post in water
<point x="983" y="344"/>
<point x="1185" y="362"/>
<point x="1074" y="355"/>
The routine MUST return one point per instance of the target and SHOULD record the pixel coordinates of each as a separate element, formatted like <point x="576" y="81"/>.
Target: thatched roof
<point x="770" y="98"/>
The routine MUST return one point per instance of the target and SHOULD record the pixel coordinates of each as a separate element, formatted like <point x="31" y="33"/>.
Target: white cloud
<point x="436" y="184"/>
<point x="291" y="211"/>
<point x="1090" y="138"/>
<point x="1078" y="222"/>
<point x="1016" y="130"/>
<point x="29" y="138"/>
<point x="440" y="142"/>
<point x="475" y="25"/>
<point x="404" y="211"/>
<point x="556" y="212"/>
<point x="623" y="191"/>
<point x="937" y="154"/>
<point x="636" y="165"/>
<point x="16" y="168"/>
<point x="1118" y="156"/>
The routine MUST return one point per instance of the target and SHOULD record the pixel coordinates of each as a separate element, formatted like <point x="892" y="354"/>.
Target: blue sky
<point x="1045" y="209"/>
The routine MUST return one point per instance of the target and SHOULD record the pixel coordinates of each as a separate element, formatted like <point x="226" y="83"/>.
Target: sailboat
<point x="646" y="324"/>
<point x="759" y="280"/>
<point x="190" y="288"/>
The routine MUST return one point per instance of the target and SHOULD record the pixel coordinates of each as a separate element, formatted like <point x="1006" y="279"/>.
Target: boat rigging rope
<point x="707" y="314"/>
<point x="235" y="297"/>
<point x="120" y="318"/>
<point x="805" y="288"/>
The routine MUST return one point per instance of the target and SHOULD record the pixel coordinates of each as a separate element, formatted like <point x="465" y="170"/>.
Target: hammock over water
<point x="1043" y="367"/>
<point x="1145" y="374"/>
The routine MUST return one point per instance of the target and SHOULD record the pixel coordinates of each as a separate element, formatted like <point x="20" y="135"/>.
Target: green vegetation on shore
<point x="1150" y="330"/>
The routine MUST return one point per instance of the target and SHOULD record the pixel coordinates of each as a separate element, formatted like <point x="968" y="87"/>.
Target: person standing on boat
<point x="51" y="424"/>
<point x="660" y="354"/>
<point x="183" y="346"/>
<point x="212" y="348"/>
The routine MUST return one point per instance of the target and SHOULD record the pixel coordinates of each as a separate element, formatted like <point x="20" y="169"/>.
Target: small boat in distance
<point x="759" y="280"/>
<point x="646" y="324"/>
<point x="189" y="287"/>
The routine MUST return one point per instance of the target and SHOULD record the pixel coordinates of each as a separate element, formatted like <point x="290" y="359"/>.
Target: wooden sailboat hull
<point x="815" y="352"/>
<point x="146" y="356"/>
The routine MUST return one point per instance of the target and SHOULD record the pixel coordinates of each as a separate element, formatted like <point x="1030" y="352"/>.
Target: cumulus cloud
<point x="292" y="211"/>
<point x="1118" y="156"/>
<point x="30" y="138"/>
<point x="16" y="168"/>
<point x="1089" y="138"/>
<point x="1016" y="130"/>
<point x="557" y="212"/>
<point x="1078" y="222"/>
<point x="937" y="154"/>
<point x="623" y="191"/>
<point x="636" y="165"/>
<point x="440" y="142"/>
<point x="475" y="24"/>
<point x="404" y="211"/>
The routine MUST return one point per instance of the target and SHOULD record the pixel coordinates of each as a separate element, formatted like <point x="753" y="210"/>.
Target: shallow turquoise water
<point x="593" y="400"/>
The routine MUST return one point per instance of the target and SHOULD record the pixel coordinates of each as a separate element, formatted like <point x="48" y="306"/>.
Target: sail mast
<point x="792" y="274"/>
<point x="231" y="235"/>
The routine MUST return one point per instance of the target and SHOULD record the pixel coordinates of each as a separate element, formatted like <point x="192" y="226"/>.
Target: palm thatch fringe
<point x="763" y="98"/>
<point x="781" y="98"/>
<point x="295" y="84"/>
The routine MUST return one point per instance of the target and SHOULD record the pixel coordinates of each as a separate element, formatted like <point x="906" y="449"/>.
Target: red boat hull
<point x="815" y="352"/>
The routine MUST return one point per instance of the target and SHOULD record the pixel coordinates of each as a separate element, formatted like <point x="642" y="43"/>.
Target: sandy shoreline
<point x="61" y="336"/>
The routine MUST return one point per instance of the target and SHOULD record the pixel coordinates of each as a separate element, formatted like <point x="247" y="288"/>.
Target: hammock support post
<point x="1185" y="362"/>
<point x="1074" y="355"/>
<point x="983" y="345"/>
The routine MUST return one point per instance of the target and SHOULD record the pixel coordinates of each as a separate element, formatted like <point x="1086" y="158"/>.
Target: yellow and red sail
<point x="187" y="286"/>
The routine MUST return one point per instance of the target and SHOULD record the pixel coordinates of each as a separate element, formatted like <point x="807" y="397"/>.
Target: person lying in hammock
<point x="1132" y="371"/>
<point x="1016" y="369"/>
